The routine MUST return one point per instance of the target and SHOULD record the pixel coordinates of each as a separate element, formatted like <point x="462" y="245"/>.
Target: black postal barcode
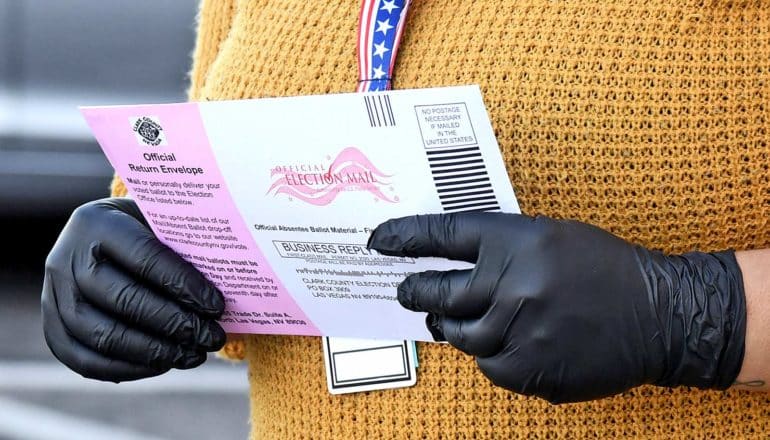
<point x="462" y="180"/>
<point x="379" y="110"/>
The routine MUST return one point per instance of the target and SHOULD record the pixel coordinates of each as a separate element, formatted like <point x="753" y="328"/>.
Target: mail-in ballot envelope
<point x="274" y="199"/>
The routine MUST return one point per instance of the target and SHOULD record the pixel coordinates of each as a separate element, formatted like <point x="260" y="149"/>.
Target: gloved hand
<point x="568" y="312"/>
<point x="118" y="304"/>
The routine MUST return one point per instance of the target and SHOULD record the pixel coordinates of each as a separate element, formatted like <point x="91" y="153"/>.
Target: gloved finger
<point x="116" y="340"/>
<point x="80" y="358"/>
<point x="522" y="376"/>
<point x="447" y="293"/>
<point x="113" y="291"/>
<point x="453" y="236"/>
<point x="503" y="369"/>
<point x="124" y="204"/>
<point x="473" y="337"/>
<point x="137" y="250"/>
<point x="432" y="322"/>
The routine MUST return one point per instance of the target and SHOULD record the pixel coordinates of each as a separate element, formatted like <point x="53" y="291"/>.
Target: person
<point x="635" y="136"/>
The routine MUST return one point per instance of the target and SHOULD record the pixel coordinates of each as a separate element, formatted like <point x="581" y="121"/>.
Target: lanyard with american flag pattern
<point x="380" y="26"/>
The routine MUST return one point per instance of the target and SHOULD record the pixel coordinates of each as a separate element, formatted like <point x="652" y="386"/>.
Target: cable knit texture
<point x="646" y="118"/>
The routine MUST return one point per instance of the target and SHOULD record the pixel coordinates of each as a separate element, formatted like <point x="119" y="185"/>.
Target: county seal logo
<point x="148" y="130"/>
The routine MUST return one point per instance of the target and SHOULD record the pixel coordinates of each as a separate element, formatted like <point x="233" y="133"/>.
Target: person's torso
<point x="649" y="119"/>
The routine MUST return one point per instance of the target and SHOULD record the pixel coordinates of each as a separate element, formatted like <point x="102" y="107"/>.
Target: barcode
<point x="461" y="179"/>
<point x="379" y="110"/>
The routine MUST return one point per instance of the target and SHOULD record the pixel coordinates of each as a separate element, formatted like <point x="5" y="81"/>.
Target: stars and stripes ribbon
<point x="380" y="26"/>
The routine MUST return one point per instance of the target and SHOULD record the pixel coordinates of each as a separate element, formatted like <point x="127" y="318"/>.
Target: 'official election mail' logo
<point x="148" y="130"/>
<point x="319" y="184"/>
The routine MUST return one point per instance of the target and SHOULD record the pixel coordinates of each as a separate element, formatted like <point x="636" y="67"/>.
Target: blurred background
<point x="54" y="57"/>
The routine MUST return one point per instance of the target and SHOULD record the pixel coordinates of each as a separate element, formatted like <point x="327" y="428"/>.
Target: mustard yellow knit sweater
<point x="648" y="118"/>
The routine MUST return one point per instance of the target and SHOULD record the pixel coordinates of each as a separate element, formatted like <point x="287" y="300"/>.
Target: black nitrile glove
<point x="568" y="312"/>
<point x="119" y="305"/>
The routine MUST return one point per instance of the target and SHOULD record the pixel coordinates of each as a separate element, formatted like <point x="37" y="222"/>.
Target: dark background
<point x="55" y="56"/>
